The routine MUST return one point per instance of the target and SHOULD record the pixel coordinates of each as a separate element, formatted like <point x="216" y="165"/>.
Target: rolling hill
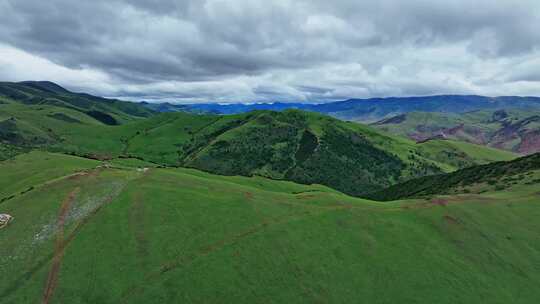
<point x="290" y="145"/>
<point x="91" y="232"/>
<point x="40" y="93"/>
<point x="512" y="130"/>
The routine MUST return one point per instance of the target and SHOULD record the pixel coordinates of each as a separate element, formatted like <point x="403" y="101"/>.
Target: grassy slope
<point x="48" y="93"/>
<point x="452" y="155"/>
<point x="188" y="236"/>
<point x="432" y="121"/>
<point x="498" y="175"/>
<point x="33" y="169"/>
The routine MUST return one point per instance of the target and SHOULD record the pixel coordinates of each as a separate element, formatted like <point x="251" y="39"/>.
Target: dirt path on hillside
<point x="52" y="278"/>
<point x="138" y="224"/>
<point x="60" y="246"/>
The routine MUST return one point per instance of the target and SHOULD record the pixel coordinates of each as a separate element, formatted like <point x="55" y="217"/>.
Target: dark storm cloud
<point x="263" y="50"/>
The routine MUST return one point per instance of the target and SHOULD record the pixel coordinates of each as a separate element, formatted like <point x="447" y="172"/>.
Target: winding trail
<point x="62" y="241"/>
<point x="52" y="278"/>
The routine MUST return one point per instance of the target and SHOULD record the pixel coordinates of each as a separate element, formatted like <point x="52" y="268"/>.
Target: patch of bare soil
<point x="439" y="201"/>
<point x="458" y="199"/>
<point x="305" y="196"/>
<point x="450" y="219"/>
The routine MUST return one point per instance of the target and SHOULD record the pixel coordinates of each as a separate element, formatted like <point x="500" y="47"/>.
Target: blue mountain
<point x="371" y="109"/>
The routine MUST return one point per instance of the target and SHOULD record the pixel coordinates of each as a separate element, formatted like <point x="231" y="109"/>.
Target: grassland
<point x="290" y="145"/>
<point x="118" y="234"/>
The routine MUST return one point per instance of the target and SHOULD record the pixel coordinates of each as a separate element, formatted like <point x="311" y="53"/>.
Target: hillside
<point x="291" y="145"/>
<point x="497" y="176"/>
<point x="39" y="93"/>
<point x="372" y="109"/>
<point x="310" y="148"/>
<point x="512" y="130"/>
<point x="87" y="233"/>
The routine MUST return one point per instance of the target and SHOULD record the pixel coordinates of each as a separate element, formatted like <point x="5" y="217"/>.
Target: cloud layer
<point x="279" y="50"/>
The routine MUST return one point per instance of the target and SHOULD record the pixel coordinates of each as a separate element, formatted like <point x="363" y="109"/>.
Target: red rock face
<point x="455" y="130"/>
<point x="459" y="132"/>
<point x="479" y="136"/>
<point x="500" y="139"/>
<point x="530" y="143"/>
<point x="419" y="137"/>
<point x="510" y="130"/>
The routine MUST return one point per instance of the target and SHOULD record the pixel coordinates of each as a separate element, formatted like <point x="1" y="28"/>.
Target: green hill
<point x="87" y="233"/>
<point x="312" y="148"/>
<point x="107" y="111"/>
<point x="291" y="145"/>
<point x="495" y="176"/>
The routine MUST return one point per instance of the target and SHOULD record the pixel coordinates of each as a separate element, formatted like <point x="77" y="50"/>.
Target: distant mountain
<point x="215" y="108"/>
<point x="165" y="107"/>
<point x="513" y="129"/>
<point x="242" y="108"/>
<point x="374" y="109"/>
<point x="378" y="108"/>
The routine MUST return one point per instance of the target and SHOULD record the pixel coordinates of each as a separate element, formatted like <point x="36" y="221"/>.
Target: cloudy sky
<point x="274" y="50"/>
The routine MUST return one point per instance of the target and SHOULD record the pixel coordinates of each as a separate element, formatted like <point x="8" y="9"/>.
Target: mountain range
<point x="372" y="109"/>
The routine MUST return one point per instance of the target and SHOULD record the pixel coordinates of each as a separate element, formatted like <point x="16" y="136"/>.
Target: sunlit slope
<point x="179" y="235"/>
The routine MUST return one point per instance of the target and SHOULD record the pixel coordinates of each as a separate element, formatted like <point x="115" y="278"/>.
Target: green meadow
<point x="89" y="233"/>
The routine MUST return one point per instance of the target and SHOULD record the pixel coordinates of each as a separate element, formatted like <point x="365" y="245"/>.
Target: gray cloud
<point x="242" y="50"/>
